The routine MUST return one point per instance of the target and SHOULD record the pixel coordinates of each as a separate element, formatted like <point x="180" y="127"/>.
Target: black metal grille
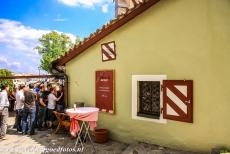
<point x="149" y="99"/>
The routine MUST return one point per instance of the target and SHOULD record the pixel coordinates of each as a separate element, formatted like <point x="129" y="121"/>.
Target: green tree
<point x="77" y="40"/>
<point x="6" y="73"/>
<point x="52" y="46"/>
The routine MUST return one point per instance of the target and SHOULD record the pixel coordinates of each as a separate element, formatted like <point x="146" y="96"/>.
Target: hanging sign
<point x="105" y="90"/>
<point x="108" y="51"/>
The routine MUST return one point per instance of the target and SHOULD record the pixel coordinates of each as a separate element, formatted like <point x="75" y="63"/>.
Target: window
<point x="147" y="100"/>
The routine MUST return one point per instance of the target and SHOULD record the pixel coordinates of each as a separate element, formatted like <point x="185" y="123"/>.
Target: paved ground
<point x="46" y="142"/>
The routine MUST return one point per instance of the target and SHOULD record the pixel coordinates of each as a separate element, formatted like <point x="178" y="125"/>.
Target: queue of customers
<point x="34" y="108"/>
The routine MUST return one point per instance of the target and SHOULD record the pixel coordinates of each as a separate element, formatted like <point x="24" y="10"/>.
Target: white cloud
<point x="15" y="35"/>
<point x="15" y="64"/>
<point x="17" y="43"/>
<point x="6" y="63"/>
<point x="33" y="69"/>
<point x="105" y="8"/>
<point x="84" y="3"/>
<point x="60" y="19"/>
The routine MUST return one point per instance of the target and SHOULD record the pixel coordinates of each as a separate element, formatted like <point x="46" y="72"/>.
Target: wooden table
<point x="85" y="115"/>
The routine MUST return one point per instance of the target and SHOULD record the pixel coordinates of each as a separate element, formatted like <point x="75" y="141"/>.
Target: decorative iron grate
<point x="149" y="99"/>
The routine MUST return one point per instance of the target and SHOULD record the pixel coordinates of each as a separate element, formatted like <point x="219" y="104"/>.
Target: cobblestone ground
<point x="47" y="142"/>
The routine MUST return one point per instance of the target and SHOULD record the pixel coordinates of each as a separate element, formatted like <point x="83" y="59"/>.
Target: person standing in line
<point x="51" y="106"/>
<point x="60" y="104"/>
<point x="29" y="112"/>
<point x="37" y="96"/>
<point x="42" y="108"/>
<point x="4" y="113"/>
<point x="12" y="99"/>
<point x="19" y="107"/>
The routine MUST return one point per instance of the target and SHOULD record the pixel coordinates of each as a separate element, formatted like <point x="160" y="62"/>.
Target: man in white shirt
<point x="4" y="105"/>
<point x="19" y="107"/>
<point x="51" y="106"/>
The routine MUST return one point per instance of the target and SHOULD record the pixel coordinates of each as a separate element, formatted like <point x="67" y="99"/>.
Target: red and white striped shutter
<point x="108" y="51"/>
<point x="177" y="100"/>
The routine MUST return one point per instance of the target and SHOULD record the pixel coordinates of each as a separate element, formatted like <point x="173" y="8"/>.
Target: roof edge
<point x="104" y="31"/>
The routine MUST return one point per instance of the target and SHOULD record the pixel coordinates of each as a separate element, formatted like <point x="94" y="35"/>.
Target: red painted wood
<point x="105" y="90"/>
<point x="170" y="84"/>
<point x="111" y="50"/>
<point x="107" y="55"/>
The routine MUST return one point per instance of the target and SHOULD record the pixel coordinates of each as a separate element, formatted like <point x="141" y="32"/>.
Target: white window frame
<point x="135" y="80"/>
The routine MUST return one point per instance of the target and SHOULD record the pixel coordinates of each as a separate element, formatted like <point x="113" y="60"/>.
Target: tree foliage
<point x="6" y="73"/>
<point x="52" y="46"/>
<point x="77" y="40"/>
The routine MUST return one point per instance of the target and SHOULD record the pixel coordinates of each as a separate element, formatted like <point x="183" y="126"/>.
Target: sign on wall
<point x="177" y="100"/>
<point x="108" y="51"/>
<point x="105" y="90"/>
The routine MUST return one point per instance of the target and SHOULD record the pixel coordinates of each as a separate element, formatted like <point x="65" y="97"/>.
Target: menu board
<point x="105" y="90"/>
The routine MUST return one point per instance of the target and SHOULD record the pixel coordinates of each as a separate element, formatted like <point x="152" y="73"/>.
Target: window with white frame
<point x="147" y="100"/>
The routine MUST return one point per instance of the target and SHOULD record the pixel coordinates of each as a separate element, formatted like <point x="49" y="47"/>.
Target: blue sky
<point x="22" y="22"/>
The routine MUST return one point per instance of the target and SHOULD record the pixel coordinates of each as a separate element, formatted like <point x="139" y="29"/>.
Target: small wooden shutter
<point x="177" y="100"/>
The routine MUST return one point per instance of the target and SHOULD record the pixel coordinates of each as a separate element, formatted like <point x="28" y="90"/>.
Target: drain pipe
<point x="61" y="73"/>
<point x="66" y="89"/>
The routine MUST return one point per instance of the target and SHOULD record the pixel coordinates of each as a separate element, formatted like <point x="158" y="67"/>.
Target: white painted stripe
<point x="111" y="111"/>
<point x="103" y="110"/>
<point x="176" y="100"/>
<point x="182" y="89"/>
<point x="104" y="57"/>
<point x="171" y="111"/>
<point x="110" y="53"/>
<point x="111" y="45"/>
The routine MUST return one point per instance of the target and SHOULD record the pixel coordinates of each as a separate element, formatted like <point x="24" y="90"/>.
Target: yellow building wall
<point x="184" y="39"/>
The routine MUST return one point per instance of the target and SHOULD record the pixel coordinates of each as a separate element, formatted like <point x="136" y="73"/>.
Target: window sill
<point x="161" y="120"/>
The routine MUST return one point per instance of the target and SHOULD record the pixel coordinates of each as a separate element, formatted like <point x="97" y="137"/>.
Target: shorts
<point x="50" y="115"/>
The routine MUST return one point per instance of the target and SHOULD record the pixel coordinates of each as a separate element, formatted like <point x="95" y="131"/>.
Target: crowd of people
<point x="34" y="106"/>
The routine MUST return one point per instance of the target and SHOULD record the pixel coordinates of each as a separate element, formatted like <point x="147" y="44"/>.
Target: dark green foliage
<point x="5" y="72"/>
